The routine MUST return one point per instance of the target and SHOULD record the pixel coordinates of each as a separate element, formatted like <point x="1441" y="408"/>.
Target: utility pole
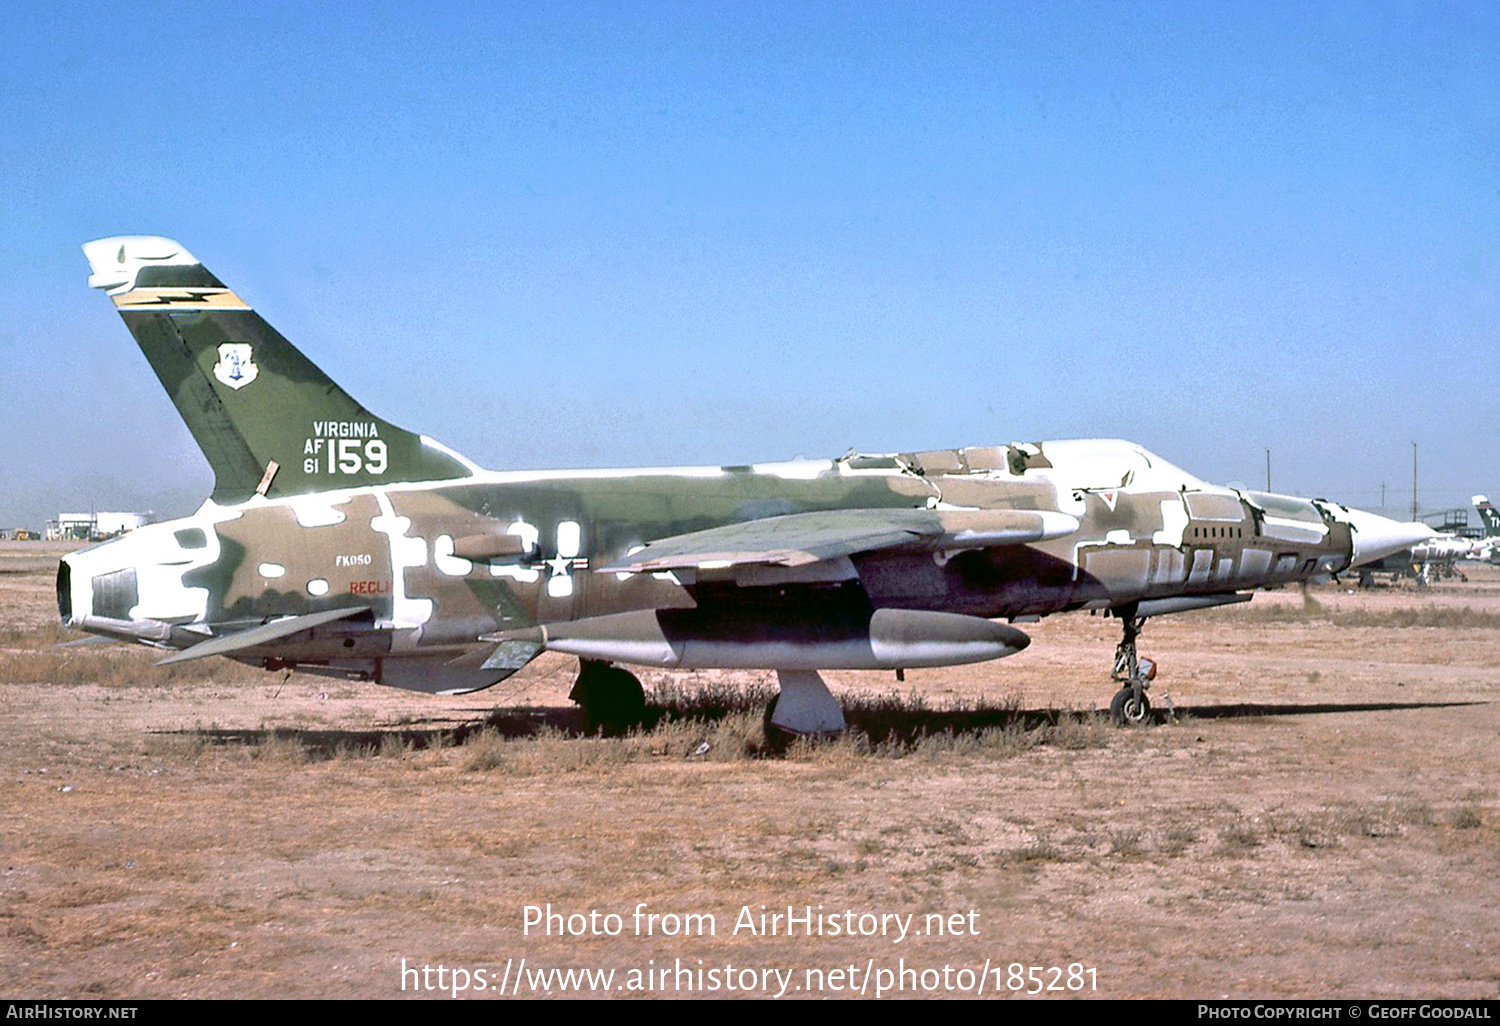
<point x="1414" y="481"/>
<point x="1268" y="470"/>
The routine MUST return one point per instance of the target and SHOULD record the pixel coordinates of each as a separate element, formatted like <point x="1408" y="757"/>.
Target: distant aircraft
<point x="1438" y="556"/>
<point x="1489" y="545"/>
<point x="337" y="543"/>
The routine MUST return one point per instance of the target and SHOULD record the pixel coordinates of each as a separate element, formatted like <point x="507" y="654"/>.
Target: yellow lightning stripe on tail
<point x="180" y="298"/>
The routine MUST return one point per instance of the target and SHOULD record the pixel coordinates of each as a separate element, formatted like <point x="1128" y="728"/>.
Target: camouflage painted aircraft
<point x="337" y="543"/>
<point x="1488" y="548"/>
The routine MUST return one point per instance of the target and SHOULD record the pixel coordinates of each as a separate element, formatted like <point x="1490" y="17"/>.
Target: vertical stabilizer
<point x="1489" y="515"/>
<point x="266" y="418"/>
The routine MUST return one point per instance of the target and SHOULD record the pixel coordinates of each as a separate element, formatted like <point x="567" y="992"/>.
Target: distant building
<point x="18" y="534"/>
<point x="94" y="526"/>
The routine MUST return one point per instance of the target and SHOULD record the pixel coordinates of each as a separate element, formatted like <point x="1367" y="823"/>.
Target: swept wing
<point x="797" y="539"/>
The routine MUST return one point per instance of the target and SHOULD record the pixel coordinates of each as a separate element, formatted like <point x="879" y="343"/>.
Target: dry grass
<point x="1466" y="817"/>
<point x="1428" y="615"/>
<point x="115" y="666"/>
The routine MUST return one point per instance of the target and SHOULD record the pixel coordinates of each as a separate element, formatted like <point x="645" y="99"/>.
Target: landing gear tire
<point x="612" y="699"/>
<point x="1128" y="708"/>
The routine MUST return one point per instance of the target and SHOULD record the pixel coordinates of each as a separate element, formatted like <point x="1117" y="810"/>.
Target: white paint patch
<point x="271" y="570"/>
<point x="160" y="563"/>
<point x="317" y="587"/>
<point x="117" y="261"/>
<point x="1109" y="463"/>
<point x="716" y="564"/>
<point x="405" y="552"/>
<point x="444" y="559"/>
<point x="1070" y="502"/>
<point x="318" y="510"/>
<point x="795" y="470"/>
<point x="626" y="575"/>
<point x="1119" y="537"/>
<point x="569" y="545"/>
<point x="845" y="470"/>
<point x="1174" y="522"/>
<point x="528" y="534"/>
<point x="569" y="539"/>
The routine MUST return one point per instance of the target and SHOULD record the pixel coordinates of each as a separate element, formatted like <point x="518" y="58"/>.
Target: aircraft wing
<point x="797" y="539"/>
<point x="276" y="629"/>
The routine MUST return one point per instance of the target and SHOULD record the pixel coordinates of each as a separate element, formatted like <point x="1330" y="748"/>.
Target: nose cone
<point x="1376" y="537"/>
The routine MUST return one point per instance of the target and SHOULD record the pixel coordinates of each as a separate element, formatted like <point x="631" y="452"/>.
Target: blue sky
<point x="557" y="235"/>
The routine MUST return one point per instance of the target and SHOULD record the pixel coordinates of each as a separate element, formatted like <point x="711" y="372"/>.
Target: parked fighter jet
<point x="1435" y="559"/>
<point x="338" y="543"/>
<point x="1488" y="547"/>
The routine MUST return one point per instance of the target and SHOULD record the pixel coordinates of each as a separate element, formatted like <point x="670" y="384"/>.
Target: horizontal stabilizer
<point x="275" y="630"/>
<point x="797" y="539"/>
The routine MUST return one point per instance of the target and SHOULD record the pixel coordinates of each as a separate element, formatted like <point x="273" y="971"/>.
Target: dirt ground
<point x="1319" y="819"/>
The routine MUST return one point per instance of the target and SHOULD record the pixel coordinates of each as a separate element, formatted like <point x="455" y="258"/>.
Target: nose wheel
<point x="1127" y="707"/>
<point x="1135" y="674"/>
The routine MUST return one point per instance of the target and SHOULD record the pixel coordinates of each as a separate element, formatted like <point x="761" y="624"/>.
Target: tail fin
<point x="266" y="418"/>
<point x="1489" y="515"/>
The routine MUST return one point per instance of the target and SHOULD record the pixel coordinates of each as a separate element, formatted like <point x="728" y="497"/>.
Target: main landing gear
<point x="1130" y="704"/>
<point x="612" y="697"/>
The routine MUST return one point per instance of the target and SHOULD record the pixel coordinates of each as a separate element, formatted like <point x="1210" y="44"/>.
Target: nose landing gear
<point x="1130" y="704"/>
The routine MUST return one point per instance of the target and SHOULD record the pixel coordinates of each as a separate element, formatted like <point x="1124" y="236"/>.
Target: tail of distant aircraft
<point x="1489" y="515"/>
<point x="267" y="419"/>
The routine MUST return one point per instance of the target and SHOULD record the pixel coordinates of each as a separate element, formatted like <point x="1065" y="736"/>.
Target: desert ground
<point x="1318" y="817"/>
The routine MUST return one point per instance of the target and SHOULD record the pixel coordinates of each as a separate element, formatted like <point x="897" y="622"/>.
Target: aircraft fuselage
<point x="396" y="551"/>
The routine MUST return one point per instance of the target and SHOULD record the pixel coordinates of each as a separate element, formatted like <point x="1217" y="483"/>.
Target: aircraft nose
<point x="1376" y="537"/>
